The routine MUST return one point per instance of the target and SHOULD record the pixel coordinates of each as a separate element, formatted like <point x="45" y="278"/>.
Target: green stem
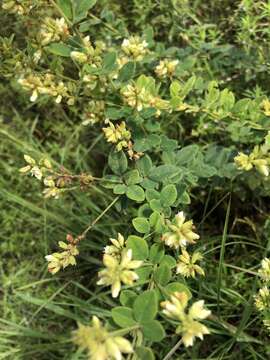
<point x="125" y="331"/>
<point x="173" y="350"/>
<point x="99" y="217"/>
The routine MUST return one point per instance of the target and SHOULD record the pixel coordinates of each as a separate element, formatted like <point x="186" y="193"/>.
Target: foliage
<point x="135" y="118"/>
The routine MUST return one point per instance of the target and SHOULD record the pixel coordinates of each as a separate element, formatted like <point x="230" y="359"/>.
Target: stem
<point x="173" y="350"/>
<point x="125" y="331"/>
<point x="99" y="217"/>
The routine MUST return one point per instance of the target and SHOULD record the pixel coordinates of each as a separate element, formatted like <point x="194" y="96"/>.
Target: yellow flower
<point x="99" y="343"/>
<point x="31" y="168"/>
<point x="246" y="162"/>
<point x="264" y="271"/>
<point x="117" y="246"/>
<point x="266" y="107"/>
<point x="166" y="68"/>
<point x="262" y="299"/>
<point x="59" y="260"/>
<point x="243" y="162"/>
<point x="53" y="30"/>
<point x="181" y="232"/>
<point x="134" y="47"/>
<point x="117" y="134"/>
<point x="118" y="270"/>
<point x="187" y="265"/>
<point x="189" y="326"/>
<point x="78" y="56"/>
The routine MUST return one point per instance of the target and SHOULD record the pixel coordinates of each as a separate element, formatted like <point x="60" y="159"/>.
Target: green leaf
<point x="109" y="62"/>
<point x="145" y="306"/>
<point x="81" y="7"/>
<point x="119" y="189"/>
<point x="136" y="193"/>
<point x="177" y="286"/>
<point x="156" y="221"/>
<point x="168" y="195"/>
<point x="164" y="173"/>
<point x="151" y="194"/>
<point x="156" y="253"/>
<point x="175" y="88"/>
<point x="139" y="247"/>
<point x="184" y="198"/>
<point x="144" y="353"/>
<point x="143" y="273"/>
<point x="60" y="49"/>
<point x="132" y="177"/>
<point x="153" y="330"/>
<point x="187" y="87"/>
<point x="168" y="260"/>
<point x="163" y="274"/>
<point x="156" y="205"/>
<point x="66" y="7"/>
<point x="141" y="224"/>
<point x="144" y="165"/>
<point x="127" y="72"/>
<point x="118" y="162"/>
<point x="127" y="298"/>
<point x="123" y="316"/>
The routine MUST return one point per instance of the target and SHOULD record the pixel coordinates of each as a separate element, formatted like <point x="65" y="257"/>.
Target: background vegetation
<point x="222" y="41"/>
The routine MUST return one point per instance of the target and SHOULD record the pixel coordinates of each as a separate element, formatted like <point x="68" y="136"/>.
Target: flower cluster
<point x="60" y="260"/>
<point x="53" y="30"/>
<point x="36" y="170"/>
<point x="117" y="134"/>
<point x="189" y="327"/>
<point x="46" y="85"/>
<point x="258" y="158"/>
<point x="119" y="267"/>
<point x="180" y="232"/>
<point x="55" y="182"/>
<point x="134" y="47"/>
<point x="187" y="266"/>
<point x="143" y="94"/>
<point x="93" y="112"/>
<point x="117" y="246"/>
<point x="89" y="54"/>
<point x="166" y="68"/>
<point x="262" y="298"/>
<point x="264" y="271"/>
<point x="99" y="343"/>
<point x="18" y="7"/>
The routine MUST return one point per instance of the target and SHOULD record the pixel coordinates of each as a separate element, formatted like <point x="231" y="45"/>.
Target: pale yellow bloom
<point x="243" y="162"/>
<point x="264" y="271"/>
<point x="189" y="327"/>
<point x="166" y="68"/>
<point x="256" y="159"/>
<point x="59" y="260"/>
<point x="117" y="134"/>
<point x="118" y="270"/>
<point x="187" y="264"/>
<point x="135" y="47"/>
<point x="266" y="107"/>
<point x="99" y="343"/>
<point x="117" y="246"/>
<point x="31" y="168"/>
<point x="53" y="30"/>
<point x="18" y="7"/>
<point x="180" y="232"/>
<point x="78" y="56"/>
<point x="262" y="299"/>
